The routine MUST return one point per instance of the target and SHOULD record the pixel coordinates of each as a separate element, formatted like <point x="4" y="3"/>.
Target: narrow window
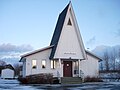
<point x="43" y="64"/>
<point x="34" y="64"/>
<point x="76" y="67"/>
<point x="69" y="22"/>
<point x="53" y="64"/>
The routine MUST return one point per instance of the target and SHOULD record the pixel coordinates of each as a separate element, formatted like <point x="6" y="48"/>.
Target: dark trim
<point x="58" y="30"/>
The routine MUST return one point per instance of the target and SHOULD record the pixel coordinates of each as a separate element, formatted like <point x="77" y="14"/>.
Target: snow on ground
<point x="15" y="85"/>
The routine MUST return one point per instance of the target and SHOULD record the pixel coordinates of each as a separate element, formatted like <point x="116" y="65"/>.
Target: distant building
<point x="66" y="55"/>
<point x="7" y="73"/>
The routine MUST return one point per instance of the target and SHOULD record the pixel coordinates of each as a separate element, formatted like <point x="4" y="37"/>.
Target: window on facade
<point x="53" y="64"/>
<point x="69" y="22"/>
<point x="76" y="67"/>
<point x="34" y="64"/>
<point x="43" y="64"/>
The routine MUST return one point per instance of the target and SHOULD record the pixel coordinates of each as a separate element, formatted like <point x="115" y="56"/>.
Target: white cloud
<point x="91" y="42"/>
<point x="11" y="53"/>
<point x="13" y="48"/>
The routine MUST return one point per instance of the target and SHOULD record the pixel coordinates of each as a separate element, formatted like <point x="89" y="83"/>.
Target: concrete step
<point x="71" y="80"/>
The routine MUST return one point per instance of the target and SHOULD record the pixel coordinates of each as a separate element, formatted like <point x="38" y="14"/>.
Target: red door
<point x="67" y="68"/>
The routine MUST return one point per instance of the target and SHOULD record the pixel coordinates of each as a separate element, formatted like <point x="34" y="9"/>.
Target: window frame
<point x="43" y="64"/>
<point x="34" y="64"/>
<point x="52" y="63"/>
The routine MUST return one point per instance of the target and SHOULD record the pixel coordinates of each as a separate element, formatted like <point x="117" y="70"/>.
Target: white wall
<point x="44" y="55"/>
<point x="69" y="45"/>
<point x="90" y="67"/>
<point x="23" y="72"/>
<point x="7" y="73"/>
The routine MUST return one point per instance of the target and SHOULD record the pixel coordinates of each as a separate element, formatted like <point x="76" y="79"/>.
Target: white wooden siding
<point x="90" y="67"/>
<point x="44" y="55"/>
<point x="7" y="73"/>
<point x="69" y="45"/>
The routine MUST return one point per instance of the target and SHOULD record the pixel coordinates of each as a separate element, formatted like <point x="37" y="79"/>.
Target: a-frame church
<point x="66" y="55"/>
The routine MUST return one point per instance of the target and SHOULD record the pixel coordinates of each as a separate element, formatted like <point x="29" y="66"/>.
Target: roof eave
<point x="36" y="51"/>
<point x="93" y="55"/>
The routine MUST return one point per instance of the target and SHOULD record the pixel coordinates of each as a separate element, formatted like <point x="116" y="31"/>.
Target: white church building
<point x="66" y="55"/>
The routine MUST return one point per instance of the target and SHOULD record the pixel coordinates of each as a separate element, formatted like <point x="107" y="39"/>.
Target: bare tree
<point x="113" y="59"/>
<point x="119" y="59"/>
<point x="17" y="68"/>
<point x="101" y="66"/>
<point x="106" y="59"/>
<point x="2" y="63"/>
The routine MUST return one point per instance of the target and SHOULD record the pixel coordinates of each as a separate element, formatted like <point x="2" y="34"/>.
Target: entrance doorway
<point x="67" y="68"/>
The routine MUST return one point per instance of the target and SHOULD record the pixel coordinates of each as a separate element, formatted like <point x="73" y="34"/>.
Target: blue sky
<point x="32" y="22"/>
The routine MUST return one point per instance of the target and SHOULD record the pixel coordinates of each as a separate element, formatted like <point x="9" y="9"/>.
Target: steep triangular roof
<point x="59" y="28"/>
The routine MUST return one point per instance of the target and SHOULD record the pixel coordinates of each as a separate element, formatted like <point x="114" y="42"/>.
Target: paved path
<point x="14" y="85"/>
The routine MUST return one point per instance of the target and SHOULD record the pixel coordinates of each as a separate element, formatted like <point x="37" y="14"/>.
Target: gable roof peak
<point x="69" y="2"/>
<point x="69" y="5"/>
<point x="59" y="27"/>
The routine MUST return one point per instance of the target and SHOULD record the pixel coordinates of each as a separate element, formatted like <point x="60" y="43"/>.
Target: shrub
<point x="56" y="80"/>
<point x="23" y="80"/>
<point x="92" y="79"/>
<point x="43" y="78"/>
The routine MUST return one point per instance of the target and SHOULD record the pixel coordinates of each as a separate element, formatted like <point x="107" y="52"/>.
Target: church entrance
<point x="67" y="68"/>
